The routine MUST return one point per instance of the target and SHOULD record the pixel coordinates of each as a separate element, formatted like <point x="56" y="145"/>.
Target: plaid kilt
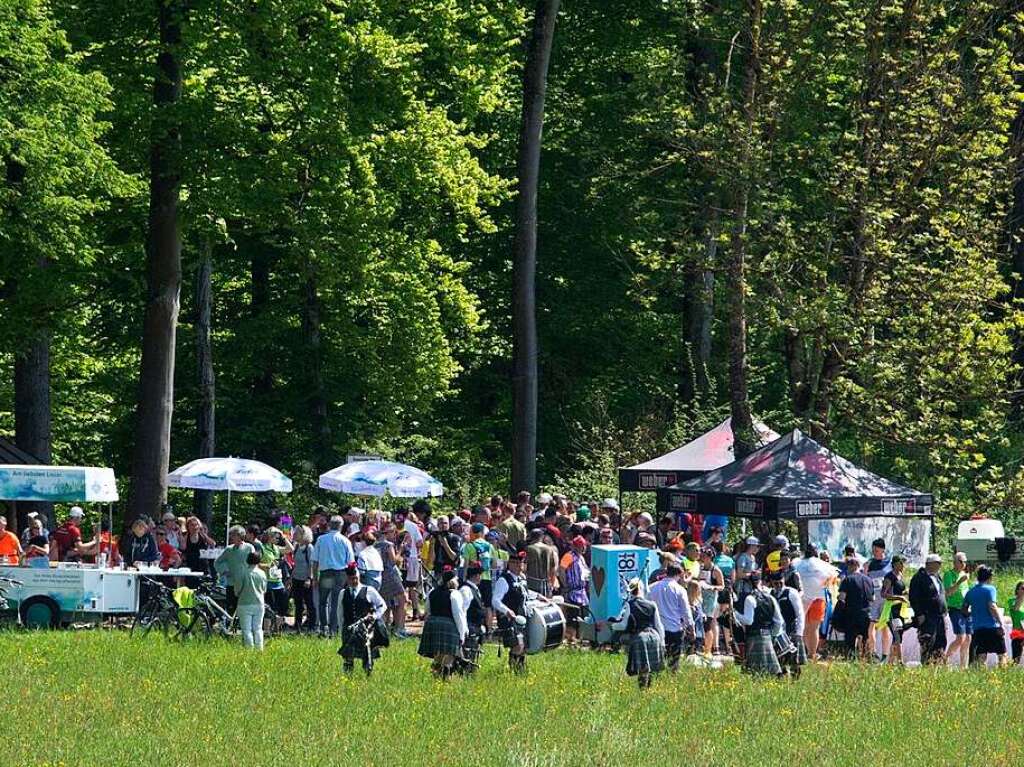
<point x="511" y="634"/>
<point x="439" y="637"/>
<point x="761" y="657"/>
<point x="646" y="653"/>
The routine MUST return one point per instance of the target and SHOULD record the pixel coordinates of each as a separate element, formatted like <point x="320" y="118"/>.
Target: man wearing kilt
<point x="762" y="618"/>
<point x="475" y="618"/>
<point x="640" y="618"/>
<point x="509" y="601"/>
<point x="445" y="627"/>
<point x="361" y="609"/>
<point x="791" y="608"/>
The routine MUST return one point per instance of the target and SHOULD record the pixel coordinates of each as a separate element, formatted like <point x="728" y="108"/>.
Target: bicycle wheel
<point x="152" y="619"/>
<point x="193" y="625"/>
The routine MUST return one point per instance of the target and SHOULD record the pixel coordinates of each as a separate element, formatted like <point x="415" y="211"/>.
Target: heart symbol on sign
<point x="598" y="576"/>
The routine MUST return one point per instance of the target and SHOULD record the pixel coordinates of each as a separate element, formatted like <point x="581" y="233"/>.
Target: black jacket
<point x="924" y="600"/>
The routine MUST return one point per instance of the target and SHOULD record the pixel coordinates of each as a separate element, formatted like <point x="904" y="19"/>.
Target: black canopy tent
<point x="794" y="478"/>
<point x="710" y="450"/>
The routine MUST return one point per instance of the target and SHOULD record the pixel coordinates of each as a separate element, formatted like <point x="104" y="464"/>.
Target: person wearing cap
<point x="641" y="620"/>
<point x="673" y="603"/>
<point x="37" y="548"/>
<point x="510" y="603"/>
<point x="68" y="538"/>
<point x="172" y="534"/>
<point x="541" y="564"/>
<point x="762" y="619"/>
<point x="444" y="628"/>
<point x="954" y="587"/>
<point x="11" y="552"/>
<point x="409" y="541"/>
<point x="360" y="604"/>
<point x="853" y="609"/>
<point x="575" y="577"/>
<point x="928" y="600"/>
<point x="792" y="610"/>
<point x="746" y="562"/>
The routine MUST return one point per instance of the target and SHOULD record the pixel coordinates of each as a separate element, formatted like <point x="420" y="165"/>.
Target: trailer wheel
<point x="39" y="612"/>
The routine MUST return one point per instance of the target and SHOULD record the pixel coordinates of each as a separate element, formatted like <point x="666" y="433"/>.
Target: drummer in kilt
<point x="444" y="628"/>
<point x="791" y="608"/>
<point x="760" y="614"/>
<point x="640" y="618"/>
<point x="475" y="617"/>
<point x="361" y="610"/>
<point x="509" y="602"/>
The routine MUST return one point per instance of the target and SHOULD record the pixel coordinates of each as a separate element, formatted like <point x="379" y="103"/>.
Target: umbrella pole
<point x="228" y="527"/>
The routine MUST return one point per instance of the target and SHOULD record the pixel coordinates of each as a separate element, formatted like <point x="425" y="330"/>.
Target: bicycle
<point x="158" y="614"/>
<point x="208" y="616"/>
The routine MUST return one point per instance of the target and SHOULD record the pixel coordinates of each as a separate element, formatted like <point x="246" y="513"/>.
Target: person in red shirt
<point x="10" y="547"/>
<point x="68" y="539"/>
<point x="169" y="555"/>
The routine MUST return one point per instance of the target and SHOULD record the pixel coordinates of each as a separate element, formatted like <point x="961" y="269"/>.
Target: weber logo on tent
<point x="683" y="502"/>
<point x="898" y="506"/>
<point x="650" y="480"/>
<point x="813" y="509"/>
<point x="749" y="507"/>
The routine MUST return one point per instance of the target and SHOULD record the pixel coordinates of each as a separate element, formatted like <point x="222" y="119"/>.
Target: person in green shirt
<point x="251" y="587"/>
<point x="232" y="563"/>
<point x="1015" y="609"/>
<point x="955" y="584"/>
<point x="479" y="550"/>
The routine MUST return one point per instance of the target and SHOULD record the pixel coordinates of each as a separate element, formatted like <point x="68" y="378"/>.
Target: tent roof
<point x="710" y="450"/>
<point x="794" y="477"/>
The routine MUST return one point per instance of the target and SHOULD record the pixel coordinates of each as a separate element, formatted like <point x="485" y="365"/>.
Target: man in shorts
<point x="980" y="603"/>
<point x="877" y="568"/>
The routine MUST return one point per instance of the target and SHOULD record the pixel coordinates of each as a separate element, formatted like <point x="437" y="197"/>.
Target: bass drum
<point x="545" y="628"/>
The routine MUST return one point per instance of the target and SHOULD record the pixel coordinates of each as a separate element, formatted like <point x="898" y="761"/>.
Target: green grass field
<point x="102" y="698"/>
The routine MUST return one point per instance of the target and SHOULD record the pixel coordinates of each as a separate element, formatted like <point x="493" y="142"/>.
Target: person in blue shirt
<point x="980" y="603"/>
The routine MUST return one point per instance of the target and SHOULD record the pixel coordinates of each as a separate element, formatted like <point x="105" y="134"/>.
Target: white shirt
<point x="415" y="536"/>
<point x="465" y="600"/>
<point x="746" y="617"/>
<point x="815" y="574"/>
<point x="673" y="604"/>
<point x="369" y="560"/>
<point x="498" y="592"/>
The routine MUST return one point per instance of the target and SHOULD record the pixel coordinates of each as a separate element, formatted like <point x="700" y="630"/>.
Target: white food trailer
<point x="55" y="595"/>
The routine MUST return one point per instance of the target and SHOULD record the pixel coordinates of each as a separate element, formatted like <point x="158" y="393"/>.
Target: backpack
<point x="483" y="554"/>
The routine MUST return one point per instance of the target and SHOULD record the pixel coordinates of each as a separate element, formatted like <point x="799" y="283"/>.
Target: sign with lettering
<point x="749" y="507"/>
<point x="683" y="502"/>
<point x="654" y="480"/>
<point x="895" y="507"/>
<point x="814" y="509"/>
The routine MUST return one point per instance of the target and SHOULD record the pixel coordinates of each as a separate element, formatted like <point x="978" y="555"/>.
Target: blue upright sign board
<point x="611" y="569"/>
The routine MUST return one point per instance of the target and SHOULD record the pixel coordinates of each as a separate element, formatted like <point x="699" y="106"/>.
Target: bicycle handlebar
<point x="11" y="581"/>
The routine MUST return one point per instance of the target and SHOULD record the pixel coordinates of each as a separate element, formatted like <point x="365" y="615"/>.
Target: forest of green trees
<point x="304" y="214"/>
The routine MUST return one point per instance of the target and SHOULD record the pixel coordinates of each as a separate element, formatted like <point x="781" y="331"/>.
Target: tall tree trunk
<point x="744" y="438"/>
<point x="261" y="264"/>
<point x="524" y="260"/>
<point x="317" y="395"/>
<point x="163" y="276"/>
<point x="206" y="415"/>
<point x="32" y="414"/>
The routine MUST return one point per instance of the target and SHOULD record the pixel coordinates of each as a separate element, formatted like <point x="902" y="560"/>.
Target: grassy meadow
<point x="103" y="698"/>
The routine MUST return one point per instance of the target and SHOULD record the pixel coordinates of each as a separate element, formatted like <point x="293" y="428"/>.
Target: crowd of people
<point x="364" y="575"/>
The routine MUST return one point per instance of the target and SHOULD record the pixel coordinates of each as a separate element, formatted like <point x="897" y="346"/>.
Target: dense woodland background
<point x="825" y="196"/>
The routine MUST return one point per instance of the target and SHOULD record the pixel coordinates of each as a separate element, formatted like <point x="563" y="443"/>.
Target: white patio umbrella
<point x="379" y="478"/>
<point x="240" y="475"/>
